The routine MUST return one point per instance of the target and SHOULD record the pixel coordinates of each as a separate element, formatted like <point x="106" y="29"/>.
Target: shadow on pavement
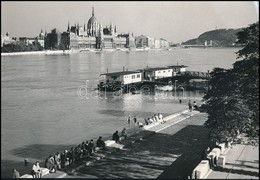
<point x="161" y="154"/>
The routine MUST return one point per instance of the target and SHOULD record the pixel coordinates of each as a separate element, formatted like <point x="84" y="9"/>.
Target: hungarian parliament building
<point x="92" y="36"/>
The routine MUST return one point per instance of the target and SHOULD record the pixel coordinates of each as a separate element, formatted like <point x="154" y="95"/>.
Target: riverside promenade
<point x="170" y="150"/>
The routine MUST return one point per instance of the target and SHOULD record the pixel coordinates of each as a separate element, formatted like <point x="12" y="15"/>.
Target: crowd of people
<point x="60" y="161"/>
<point x="85" y="149"/>
<point x="155" y="118"/>
<point x="117" y="138"/>
<point x="75" y="154"/>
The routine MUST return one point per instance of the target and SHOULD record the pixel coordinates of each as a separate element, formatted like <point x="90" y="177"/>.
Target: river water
<point x="42" y="112"/>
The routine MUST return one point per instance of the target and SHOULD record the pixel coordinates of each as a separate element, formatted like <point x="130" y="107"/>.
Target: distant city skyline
<point x="174" y="21"/>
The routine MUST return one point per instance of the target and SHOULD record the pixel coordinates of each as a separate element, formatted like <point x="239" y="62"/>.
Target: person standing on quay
<point x="129" y="119"/>
<point x="190" y="106"/>
<point x="135" y="120"/>
<point x="116" y="137"/>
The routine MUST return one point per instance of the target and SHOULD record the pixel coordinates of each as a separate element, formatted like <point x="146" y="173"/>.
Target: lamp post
<point x="175" y="87"/>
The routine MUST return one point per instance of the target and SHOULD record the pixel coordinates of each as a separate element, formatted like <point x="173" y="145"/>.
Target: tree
<point x="250" y="37"/>
<point x="21" y="47"/>
<point x="232" y="102"/>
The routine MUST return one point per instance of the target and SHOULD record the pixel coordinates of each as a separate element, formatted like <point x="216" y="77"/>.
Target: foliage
<point x="232" y="101"/>
<point x="21" y="47"/>
<point x="250" y="37"/>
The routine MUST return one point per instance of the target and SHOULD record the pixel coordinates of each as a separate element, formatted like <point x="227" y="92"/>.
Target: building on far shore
<point x="6" y="39"/>
<point x="164" y="43"/>
<point x="22" y="41"/>
<point x="147" y="42"/>
<point x="40" y="38"/>
<point x="144" y="42"/>
<point x="94" y="36"/>
<point x="52" y="40"/>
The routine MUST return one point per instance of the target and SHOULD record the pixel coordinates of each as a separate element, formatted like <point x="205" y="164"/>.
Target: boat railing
<point x="196" y="73"/>
<point x="103" y="82"/>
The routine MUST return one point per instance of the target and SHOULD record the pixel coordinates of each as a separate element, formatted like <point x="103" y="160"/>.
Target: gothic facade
<point x="94" y="36"/>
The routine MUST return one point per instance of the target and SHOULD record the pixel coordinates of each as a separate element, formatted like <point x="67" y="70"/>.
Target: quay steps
<point x="112" y="146"/>
<point x="169" y="121"/>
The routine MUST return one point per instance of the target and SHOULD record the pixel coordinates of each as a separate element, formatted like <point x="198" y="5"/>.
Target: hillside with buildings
<point x="217" y="38"/>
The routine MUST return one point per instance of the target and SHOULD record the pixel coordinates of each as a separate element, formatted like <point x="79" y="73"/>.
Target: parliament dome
<point x="91" y="22"/>
<point x="92" y="26"/>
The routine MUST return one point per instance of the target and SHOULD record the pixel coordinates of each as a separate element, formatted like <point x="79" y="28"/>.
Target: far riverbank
<point x="59" y="52"/>
<point x="36" y="53"/>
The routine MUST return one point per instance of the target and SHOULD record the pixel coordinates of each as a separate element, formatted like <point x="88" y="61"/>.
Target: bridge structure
<point x="206" y="44"/>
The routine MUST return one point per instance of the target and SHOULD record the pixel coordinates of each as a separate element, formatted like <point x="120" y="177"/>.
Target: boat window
<point x="138" y="75"/>
<point x="133" y="76"/>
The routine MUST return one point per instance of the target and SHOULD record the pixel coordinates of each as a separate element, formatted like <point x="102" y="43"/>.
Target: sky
<point x="174" y="21"/>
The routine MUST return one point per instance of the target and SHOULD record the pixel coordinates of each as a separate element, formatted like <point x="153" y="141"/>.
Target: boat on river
<point x="148" y="79"/>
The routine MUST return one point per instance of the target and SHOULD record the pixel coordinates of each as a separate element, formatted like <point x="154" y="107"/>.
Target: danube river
<point x="42" y="112"/>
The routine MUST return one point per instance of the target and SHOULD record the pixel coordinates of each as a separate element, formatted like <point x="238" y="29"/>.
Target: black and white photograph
<point x="130" y="89"/>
